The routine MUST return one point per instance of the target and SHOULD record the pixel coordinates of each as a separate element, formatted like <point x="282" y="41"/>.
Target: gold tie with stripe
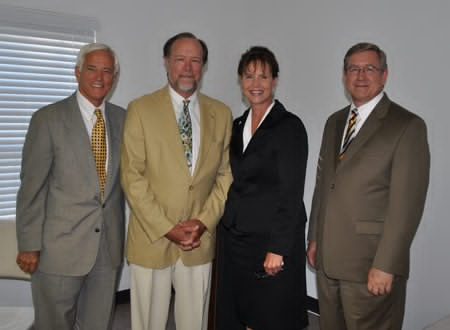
<point x="349" y="134"/>
<point x="98" y="142"/>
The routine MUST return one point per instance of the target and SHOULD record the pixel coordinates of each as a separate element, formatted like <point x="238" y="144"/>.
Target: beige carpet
<point x="122" y="319"/>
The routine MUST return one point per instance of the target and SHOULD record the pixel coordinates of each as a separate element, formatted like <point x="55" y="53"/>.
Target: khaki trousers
<point x="151" y="291"/>
<point x="346" y="305"/>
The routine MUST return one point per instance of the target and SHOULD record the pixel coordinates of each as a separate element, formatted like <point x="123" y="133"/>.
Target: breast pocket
<point x="368" y="236"/>
<point x="369" y="227"/>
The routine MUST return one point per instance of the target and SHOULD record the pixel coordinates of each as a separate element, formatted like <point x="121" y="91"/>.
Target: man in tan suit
<point x="372" y="179"/>
<point x="175" y="174"/>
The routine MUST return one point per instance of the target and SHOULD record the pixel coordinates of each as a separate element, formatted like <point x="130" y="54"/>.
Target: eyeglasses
<point x="367" y="69"/>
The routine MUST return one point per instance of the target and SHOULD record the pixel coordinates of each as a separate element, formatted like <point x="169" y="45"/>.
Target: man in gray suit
<point x="372" y="180"/>
<point x="70" y="207"/>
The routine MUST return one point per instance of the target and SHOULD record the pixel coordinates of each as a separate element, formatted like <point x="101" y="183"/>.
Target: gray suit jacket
<point x="59" y="209"/>
<point x="367" y="207"/>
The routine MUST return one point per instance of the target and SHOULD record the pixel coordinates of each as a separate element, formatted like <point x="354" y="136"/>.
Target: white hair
<point x="89" y="48"/>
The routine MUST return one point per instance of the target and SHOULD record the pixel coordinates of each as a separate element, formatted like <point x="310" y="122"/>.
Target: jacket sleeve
<point x="213" y="208"/>
<point x="316" y="200"/>
<point x="138" y="191"/>
<point x="291" y="162"/>
<point x="37" y="158"/>
<point x="408" y="188"/>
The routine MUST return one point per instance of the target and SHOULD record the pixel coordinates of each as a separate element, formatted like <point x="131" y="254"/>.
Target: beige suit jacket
<point x="158" y="185"/>
<point x="367" y="207"/>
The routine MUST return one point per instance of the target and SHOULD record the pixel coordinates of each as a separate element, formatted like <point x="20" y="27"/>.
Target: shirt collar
<point x="87" y="107"/>
<point x="177" y="99"/>
<point x="365" y="109"/>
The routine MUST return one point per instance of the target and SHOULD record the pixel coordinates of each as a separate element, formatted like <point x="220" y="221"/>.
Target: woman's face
<point x="257" y="84"/>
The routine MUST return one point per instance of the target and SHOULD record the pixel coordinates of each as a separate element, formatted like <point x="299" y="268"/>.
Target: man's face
<point x="363" y="77"/>
<point x="96" y="76"/>
<point x="184" y="66"/>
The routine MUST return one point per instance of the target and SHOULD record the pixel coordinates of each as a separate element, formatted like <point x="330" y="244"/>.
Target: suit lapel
<point x="172" y="136"/>
<point x="207" y="127"/>
<point x="272" y="118"/>
<point x="237" y="143"/>
<point x="370" y="126"/>
<point x="79" y="141"/>
<point x="339" y="133"/>
<point x="113" y="150"/>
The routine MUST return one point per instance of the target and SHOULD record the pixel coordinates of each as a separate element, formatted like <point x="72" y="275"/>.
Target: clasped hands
<point x="187" y="234"/>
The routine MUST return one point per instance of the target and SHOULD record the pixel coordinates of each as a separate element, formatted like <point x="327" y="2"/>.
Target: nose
<point x="255" y="82"/>
<point x="362" y="73"/>
<point x="98" y="75"/>
<point x="188" y="66"/>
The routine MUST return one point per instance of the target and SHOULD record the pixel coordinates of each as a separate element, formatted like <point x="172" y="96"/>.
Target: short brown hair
<point x="259" y="54"/>
<point x="363" y="47"/>
<point x="168" y="45"/>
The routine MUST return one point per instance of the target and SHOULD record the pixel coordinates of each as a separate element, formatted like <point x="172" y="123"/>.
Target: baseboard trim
<point x="123" y="297"/>
<point x="312" y="304"/>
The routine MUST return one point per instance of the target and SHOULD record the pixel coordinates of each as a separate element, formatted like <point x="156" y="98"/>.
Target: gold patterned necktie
<point x="185" y="127"/>
<point x="350" y="133"/>
<point x="98" y="143"/>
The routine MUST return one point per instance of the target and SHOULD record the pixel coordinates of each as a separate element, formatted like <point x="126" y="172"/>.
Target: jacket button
<point x="332" y="186"/>
<point x="191" y="187"/>
<point x="97" y="230"/>
<point x="103" y="206"/>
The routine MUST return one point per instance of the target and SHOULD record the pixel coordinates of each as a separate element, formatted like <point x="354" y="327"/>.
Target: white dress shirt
<point x="363" y="113"/>
<point x="247" y="132"/>
<point x="87" y="110"/>
<point x="194" y="112"/>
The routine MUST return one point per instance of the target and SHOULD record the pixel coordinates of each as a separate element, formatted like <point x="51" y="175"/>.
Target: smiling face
<point x="96" y="76"/>
<point x="184" y="66"/>
<point x="363" y="77"/>
<point x="257" y="84"/>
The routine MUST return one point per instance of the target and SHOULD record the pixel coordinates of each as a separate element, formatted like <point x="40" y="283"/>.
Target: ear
<point x="385" y="75"/>
<point x="166" y="63"/>
<point x="77" y="73"/>
<point x="274" y="85"/>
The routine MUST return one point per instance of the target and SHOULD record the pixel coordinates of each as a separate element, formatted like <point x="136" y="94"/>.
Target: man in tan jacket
<point x="175" y="174"/>
<point x="372" y="180"/>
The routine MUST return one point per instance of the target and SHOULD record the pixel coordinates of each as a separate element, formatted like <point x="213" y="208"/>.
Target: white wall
<point x="309" y="39"/>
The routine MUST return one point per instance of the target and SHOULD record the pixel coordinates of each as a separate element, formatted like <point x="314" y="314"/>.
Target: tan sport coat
<point x="367" y="207"/>
<point x="158" y="185"/>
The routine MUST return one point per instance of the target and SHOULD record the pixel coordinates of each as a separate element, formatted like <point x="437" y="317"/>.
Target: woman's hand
<point x="273" y="263"/>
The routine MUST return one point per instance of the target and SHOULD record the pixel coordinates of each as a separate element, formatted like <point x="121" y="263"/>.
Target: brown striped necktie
<point x="98" y="142"/>
<point x="350" y="133"/>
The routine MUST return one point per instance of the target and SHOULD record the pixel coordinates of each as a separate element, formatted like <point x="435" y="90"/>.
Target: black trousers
<point x="246" y="297"/>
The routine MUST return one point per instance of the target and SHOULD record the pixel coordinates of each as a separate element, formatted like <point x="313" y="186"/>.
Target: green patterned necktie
<point x="185" y="127"/>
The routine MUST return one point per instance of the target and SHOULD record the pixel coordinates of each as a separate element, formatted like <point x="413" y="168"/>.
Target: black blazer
<point x="266" y="195"/>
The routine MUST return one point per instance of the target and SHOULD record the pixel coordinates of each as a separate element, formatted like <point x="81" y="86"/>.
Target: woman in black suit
<point x="261" y="270"/>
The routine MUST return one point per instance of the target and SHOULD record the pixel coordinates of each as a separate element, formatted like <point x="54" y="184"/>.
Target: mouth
<point x="98" y="85"/>
<point x="256" y="92"/>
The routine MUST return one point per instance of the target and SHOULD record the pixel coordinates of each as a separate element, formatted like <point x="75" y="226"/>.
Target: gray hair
<point x="89" y="48"/>
<point x="364" y="47"/>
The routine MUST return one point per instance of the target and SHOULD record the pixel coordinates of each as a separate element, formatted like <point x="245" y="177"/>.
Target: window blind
<point x="36" y="69"/>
